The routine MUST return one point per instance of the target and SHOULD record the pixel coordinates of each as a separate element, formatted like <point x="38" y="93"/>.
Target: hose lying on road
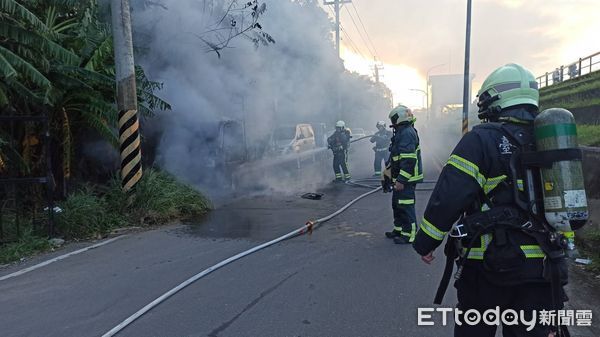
<point x="308" y="227"/>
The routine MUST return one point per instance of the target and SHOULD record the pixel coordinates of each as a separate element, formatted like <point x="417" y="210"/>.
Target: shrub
<point x="28" y="244"/>
<point x="589" y="242"/>
<point x="159" y="198"/>
<point x="93" y="212"/>
<point x="86" y="215"/>
<point x="588" y="135"/>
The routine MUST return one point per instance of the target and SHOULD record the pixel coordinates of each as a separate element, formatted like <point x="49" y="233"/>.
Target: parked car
<point x="222" y="144"/>
<point x="293" y="138"/>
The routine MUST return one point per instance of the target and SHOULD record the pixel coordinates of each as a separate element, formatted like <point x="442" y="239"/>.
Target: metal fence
<point x="578" y="68"/>
<point x="19" y="190"/>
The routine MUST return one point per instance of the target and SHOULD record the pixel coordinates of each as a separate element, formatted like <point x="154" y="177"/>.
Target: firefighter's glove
<point x="386" y="180"/>
<point x="398" y="186"/>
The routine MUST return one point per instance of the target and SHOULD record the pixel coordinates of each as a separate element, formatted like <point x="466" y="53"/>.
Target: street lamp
<point x="427" y="93"/>
<point x="465" y="116"/>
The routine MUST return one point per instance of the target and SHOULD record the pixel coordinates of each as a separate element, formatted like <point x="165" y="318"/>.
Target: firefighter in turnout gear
<point x="404" y="165"/>
<point x="339" y="143"/>
<point x="505" y="258"/>
<point x="382" y="139"/>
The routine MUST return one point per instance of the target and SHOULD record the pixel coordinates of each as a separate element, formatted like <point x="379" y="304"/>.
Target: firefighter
<point x="339" y="142"/>
<point x="404" y="165"/>
<point x="382" y="139"/>
<point x="501" y="264"/>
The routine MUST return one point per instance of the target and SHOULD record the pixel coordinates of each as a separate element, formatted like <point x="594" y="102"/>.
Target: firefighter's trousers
<point x="340" y="160"/>
<point x="380" y="155"/>
<point x="403" y="204"/>
<point x="475" y="291"/>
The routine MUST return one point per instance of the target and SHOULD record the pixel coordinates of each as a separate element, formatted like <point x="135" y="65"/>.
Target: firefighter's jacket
<point x="405" y="155"/>
<point x="382" y="139"/>
<point x="339" y="141"/>
<point x="478" y="166"/>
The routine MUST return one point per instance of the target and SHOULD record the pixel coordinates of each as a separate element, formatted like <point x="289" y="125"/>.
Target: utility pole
<point x="337" y="5"/>
<point x="377" y="67"/>
<point x="129" y="134"/>
<point x="466" y="103"/>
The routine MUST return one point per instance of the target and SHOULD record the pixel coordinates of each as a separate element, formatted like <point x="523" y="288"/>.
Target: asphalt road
<point x="345" y="279"/>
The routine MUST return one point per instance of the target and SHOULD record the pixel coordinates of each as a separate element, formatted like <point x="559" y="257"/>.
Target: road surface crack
<point x="224" y="326"/>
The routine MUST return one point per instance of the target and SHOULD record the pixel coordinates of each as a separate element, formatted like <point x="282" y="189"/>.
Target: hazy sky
<point x="411" y="36"/>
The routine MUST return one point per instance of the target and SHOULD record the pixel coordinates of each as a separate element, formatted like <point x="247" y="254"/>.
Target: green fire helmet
<point x="507" y="86"/>
<point x="340" y="124"/>
<point x="401" y="114"/>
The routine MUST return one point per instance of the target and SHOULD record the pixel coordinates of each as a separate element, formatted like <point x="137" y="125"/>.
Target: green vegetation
<point x="588" y="135"/>
<point x="57" y="59"/>
<point x="85" y="215"/>
<point x="159" y="198"/>
<point x="28" y="245"/>
<point x="581" y="92"/>
<point x="93" y="211"/>
<point x="588" y="244"/>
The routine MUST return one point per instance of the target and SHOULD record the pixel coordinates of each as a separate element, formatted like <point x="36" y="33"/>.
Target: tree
<point x="238" y="20"/>
<point x="56" y="56"/>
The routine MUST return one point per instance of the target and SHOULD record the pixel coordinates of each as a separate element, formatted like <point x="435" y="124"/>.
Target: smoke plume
<point x="298" y="79"/>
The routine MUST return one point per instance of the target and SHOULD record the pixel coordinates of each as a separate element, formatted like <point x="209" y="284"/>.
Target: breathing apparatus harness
<point x="335" y="143"/>
<point x="525" y="214"/>
<point x="387" y="181"/>
<point x="379" y="136"/>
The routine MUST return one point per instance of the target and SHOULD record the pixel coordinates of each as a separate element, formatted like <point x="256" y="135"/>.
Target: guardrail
<point x="576" y="69"/>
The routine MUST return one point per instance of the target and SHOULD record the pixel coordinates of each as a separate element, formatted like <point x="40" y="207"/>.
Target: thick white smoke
<point x="291" y="81"/>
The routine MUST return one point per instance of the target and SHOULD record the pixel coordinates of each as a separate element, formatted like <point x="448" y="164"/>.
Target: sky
<point x="409" y="37"/>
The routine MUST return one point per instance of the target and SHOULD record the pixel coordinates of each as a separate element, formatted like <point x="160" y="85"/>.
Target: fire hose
<point x="370" y="183"/>
<point x="374" y="182"/>
<point x="307" y="228"/>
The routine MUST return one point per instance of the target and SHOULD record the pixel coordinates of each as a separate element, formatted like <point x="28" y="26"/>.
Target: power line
<point x="351" y="43"/>
<point x="353" y="46"/>
<point x="366" y="32"/>
<point x="359" y="32"/>
<point x="336" y="6"/>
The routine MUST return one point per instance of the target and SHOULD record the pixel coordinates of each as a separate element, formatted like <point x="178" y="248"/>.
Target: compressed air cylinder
<point x="563" y="184"/>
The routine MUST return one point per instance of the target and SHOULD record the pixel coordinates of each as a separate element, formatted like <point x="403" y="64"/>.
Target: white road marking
<point x="58" y="258"/>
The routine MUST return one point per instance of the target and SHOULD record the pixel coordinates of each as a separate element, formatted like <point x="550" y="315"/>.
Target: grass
<point x="575" y="89"/>
<point x="588" y="135"/>
<point x="86" y="215"/>
<point x="159" y="198"/>
<point x="27" y="245"/>
<point x="588" y="244"/>
<point x="93" y="211"/>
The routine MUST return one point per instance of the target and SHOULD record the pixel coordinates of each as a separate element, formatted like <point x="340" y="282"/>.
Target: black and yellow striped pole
<point x="129" y="133"/>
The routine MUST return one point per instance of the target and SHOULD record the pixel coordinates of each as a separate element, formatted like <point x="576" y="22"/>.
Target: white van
<point x="293" y="139"/>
